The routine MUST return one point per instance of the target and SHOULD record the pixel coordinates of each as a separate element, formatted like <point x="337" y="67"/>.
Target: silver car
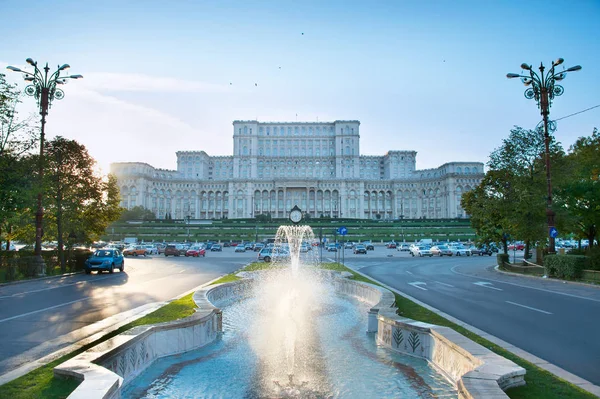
<point x="460" y="251"/>
<point x="421" y="250"/>
<point x="441" y="250"/>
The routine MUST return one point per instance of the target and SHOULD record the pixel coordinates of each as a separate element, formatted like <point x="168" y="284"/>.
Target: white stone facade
<point x="316" y="166"/>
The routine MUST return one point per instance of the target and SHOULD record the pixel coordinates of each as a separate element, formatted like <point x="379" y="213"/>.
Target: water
<point x="293" y="338"/>
<point x="334" y="359"/>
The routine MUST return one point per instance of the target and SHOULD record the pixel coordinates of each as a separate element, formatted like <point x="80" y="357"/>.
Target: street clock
<point x="295" y="215"/>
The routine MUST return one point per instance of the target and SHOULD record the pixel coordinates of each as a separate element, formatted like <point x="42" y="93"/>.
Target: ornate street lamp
<point x="43" y="88"/>
<point x="543" y="88"/>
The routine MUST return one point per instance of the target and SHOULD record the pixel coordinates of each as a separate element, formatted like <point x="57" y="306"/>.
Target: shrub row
<point x="565" y="266"/>
<point x="15" y="265"/>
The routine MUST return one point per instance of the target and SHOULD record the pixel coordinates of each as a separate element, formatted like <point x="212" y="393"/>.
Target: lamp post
<point x="543" y="88"/>
<point x="43" y="87"/>
<point x="187" y="222"/>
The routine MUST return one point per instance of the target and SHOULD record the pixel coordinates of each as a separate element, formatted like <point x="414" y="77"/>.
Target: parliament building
<point x="314" y="165"/>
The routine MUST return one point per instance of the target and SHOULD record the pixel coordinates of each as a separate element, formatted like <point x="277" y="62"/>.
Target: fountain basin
<point x="474" y="370"/>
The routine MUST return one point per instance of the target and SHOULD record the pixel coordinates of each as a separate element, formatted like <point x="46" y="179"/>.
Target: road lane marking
<point x="54" y="288"/>
<point x="417" y="284"/>
<point x="43" y="310"/>
<point x="409" y="272"/>
<point x="487" y="285"/>
<point x="448" y="285"/>
<point x="524" y="286"/>
<point x="528" y="307"/>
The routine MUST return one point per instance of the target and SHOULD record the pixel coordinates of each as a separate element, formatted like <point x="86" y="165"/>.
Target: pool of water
<point x="336" y="358"/>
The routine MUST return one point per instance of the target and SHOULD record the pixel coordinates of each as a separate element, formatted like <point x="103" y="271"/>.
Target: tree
<point x="81" y="204"/>
<point x="579" y="192"/>
<point x="17" y="137"/>
<point x="488" y="206"/>
<point x="521" y="159"/>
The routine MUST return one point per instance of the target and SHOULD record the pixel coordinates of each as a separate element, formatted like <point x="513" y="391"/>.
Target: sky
<point x="428" y="76"/>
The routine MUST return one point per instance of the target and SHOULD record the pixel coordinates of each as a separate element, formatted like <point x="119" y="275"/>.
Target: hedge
<point x="565" y="266"/>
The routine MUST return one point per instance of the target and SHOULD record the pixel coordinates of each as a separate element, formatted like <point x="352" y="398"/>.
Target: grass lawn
<point x="540" y="383"/>
<point x="41" y="383"/>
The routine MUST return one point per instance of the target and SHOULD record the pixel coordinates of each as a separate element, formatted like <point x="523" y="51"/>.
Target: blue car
<point x="105" y="260"/>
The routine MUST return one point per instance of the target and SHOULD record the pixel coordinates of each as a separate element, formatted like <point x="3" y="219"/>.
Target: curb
<point x="39" y="278"/>
<point x="137" y="313"/>
<point x="496" y="268"/>
<point x="541" y="363"/>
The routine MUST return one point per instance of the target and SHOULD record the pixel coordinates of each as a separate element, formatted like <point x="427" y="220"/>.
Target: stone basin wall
<point x="476" y="371"/>
<point x="109" y="366"/>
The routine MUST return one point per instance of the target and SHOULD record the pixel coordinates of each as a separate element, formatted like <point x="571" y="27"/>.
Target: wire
<point x="576" y="113"/>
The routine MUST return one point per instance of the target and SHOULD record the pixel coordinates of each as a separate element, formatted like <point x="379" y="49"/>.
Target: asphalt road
<point x="552" y="320"/>
<point x="35" y="316"/>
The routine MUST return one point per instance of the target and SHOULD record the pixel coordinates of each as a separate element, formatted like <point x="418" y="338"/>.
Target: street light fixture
<point x="43" y="88"/>
<point x="543" y="88"/>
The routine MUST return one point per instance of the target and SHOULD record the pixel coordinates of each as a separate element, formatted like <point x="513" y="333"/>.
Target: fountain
<point x="294" y="331"/>
<point x="284" y="332"/>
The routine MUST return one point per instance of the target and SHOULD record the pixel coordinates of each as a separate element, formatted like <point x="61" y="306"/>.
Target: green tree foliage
<point x="488" y="204"/>
<point x="579" y="192"/>
<point x="138" y="213"/>
<point x="80" y="203"/>
<point x="512" y="197"/>
<point x="16" y="138"/>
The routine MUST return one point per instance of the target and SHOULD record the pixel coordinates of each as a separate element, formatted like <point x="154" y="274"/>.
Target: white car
<point x="151" y="250"/>
<point x="461" y="251"/>
<point x="420" y="250"/>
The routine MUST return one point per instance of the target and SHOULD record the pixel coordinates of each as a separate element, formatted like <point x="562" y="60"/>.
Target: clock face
<point x="295" y="216"/>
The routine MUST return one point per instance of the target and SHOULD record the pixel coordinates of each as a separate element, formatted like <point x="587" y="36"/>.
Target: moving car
<point x="135" y="251"/>
<point x="370" y="247"/>
<point x="105" y="260"/>
<point x="240" y="248"/>
<point x="391" y="245"/>
<point x="216" y="248"/>
<point x="420" y="250"/>
<point x="196" y="252"/>
<point x="441" y="250"/>
<point x="332" y="248"/>
<point x="360" y="249"/>
<point x="484" y="250"/>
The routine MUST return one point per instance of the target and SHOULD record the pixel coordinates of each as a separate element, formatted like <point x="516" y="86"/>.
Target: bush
<point x="565" y="266"/>
<point x="593" y="258"/>
<point x="502" y="259"/>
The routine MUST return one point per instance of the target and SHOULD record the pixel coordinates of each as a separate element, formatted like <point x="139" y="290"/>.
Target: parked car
<point x="516" y="246"/>
<point x="258" y="247"/>
<point x="441" y="250"/>
<point x="151" y="250"/>
<point x="370" y="247"/>
<point x="391" y="245"/>
<point x="460" y="251"/>
<point x="216" y="248"/>
<point x="240" y="248"/>
<point x="105" y="260"/>
<point x="226" y="244"/>
<point x="174" y="250"/>
<point x="135" y="251"/>
<point x="420" y="250"/>
<point x="403" y="247"/>
<point x="196" y="252"/>
<point x="332" y="248"/>
<point x="348" y="245"/>
<point x="360" y="249"/>
<point x="272" y="254"/>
